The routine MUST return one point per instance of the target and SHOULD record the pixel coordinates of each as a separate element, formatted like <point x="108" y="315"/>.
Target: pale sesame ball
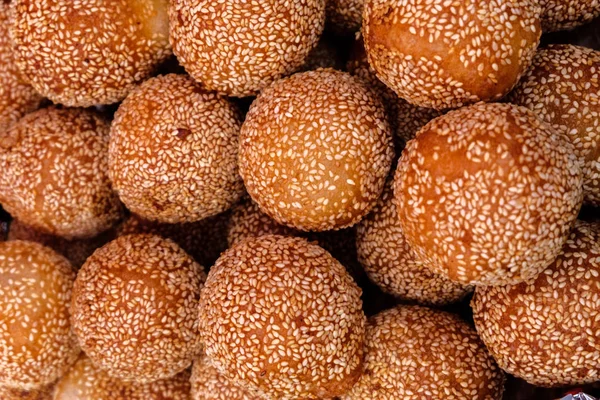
<point x="444" y="54"/>
<point x="204" y="240"/>
<point x="209" y="384"/>
<point x="487" y="194"/>
<point x="76" y="250"/>
<point x="237" y="47"/>
<point x="54" y="173"/>
<point x="135" y="308"/>
<point x="17" y="97"/>
<point x="545" y="330"/>
<point x="560" y="15"/>
<point x="412" y="352"/>
<point x="281" y="316"/>
<point x="84" y="381"/>
<point x="315" y="150"/>
<point x="563" y="89"/>
<point x="344" y="17"/>
<point x="173" y="151"/>
<point x="7" y="393"/>
<point x="390" y="262"/>
<point x="37" y="342"/>
<point x="80" y="53"/>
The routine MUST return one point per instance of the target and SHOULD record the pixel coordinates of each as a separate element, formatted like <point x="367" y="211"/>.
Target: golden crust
<point x="413" y="352"/>
<point x="135" y="308"/>
<point x="560" y="15"/>
<point x="315" y="150"/>
<point x="282" y="316"/>
<point x="487" y="194"/>
<point x="173" y="151"/>
<point x="441" y="54"/>
<point x="53" y="173"/>
<point x="238" y="48"/>
<point x="545" y="330"/>
<point x="562" y="88"/>
<point x="35" y="334"/>
<point x="80" y="53"/>
<point x="209" y="384"/>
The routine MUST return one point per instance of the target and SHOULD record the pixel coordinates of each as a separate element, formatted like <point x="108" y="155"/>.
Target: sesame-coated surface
<point x="413" y="352"/>
<point x="209" y="384"/>
<point x="239" y="47"/>
<point x="405" y="118"/>
<point x="344" y="16"/>
<point x="7" y="393"/>
<point x="315" y="150"/>
<point x="450" y="53"/>
<point x="36" y="339"/>
<point x="17" y="97"/>
<point x="84" y="381"/>
<point x="81" y="53"/>
<point x="391" y="264"/>
<point x="135" y="306"/>
<point x="204" y="240"/>
<point x="545" y="330"/>
<point x="282" y="316"/>
<point x="563" y="89"/>
<point x="54" y="173"/>
<point x="173" y="151"/>
<point x="558" y="15"/>
<point x="76" y="250"/>
<point x="326" y="54"/>
<point x="487" y="194"/>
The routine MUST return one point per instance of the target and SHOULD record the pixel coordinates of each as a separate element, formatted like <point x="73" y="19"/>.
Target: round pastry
<point x="344" y="17"/>
<point x="562" y="89"/>
<point x="204" y="240"/>
<point x="238" y="48"/>
<point x="53" y="173"/>
<point x="173" y="151"/>
<point x="487" y="194"/>
<point x="83" y="53"/>
<point x="315" y="150"/>
<point x="209" y="384"/>
<point x="7" y="393"/>
<point x="76" y="251"/>
<point x="560" y="15"/>
<point x="413" y="352"/>
<point x="17" y="97"/>
<point x="135" y="308"/>
<point x="84" y="381"/>
<point x="390" y="262"/>
<point x="37" y="343"/>
<point x="545" y="330"/>
<point x="281" y="316"/>
<point x="441" y="54"/>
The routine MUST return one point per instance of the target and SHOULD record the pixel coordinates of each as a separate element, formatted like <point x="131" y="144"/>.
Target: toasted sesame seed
<point x="209" y="384"/>
<point x="559" y="15"/>
<point x="344" y="17"/>
<point x="7" y="393"/>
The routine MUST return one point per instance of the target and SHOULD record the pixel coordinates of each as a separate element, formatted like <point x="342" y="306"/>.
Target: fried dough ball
<point x="7" y="393"/>
<point x="344" y="17"/>
<point x="560" y="15"/>
<point x="209" y="384"/>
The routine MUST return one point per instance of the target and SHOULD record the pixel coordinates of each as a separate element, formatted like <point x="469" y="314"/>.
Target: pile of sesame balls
<point x="299" y="200"/>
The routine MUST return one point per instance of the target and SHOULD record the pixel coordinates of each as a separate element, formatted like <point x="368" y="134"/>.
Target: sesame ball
<point x="545" y="330"/>
<point x="238" y="48"/>
<point x="344" y="17"/>
<point x="204" y="240"/>
<point x="173" y="151"/>
<point x="412" y="352"/>
<point x="76" y="250"/>
<point x="326" y="54"/>
<point x="54" y="173"/>
<point x="441" y="54"/>
<point x="390" y="262"/>
<point x="487" y="194"/>
<point x="7" y="393"/>
<point x="315" y="150"/>
<point x="281" y="316"/>
<point x="209" y="384"/>
<point x="405" y="118"/>
<point x="84" y="381"/>
<point x="80" y="53"/>
<point x="562" y="88"/>
<point x="17" y="97"/>
<point x="135" y="308"/>
<point x="37" y="343"/>
<point x="560" y="15"/>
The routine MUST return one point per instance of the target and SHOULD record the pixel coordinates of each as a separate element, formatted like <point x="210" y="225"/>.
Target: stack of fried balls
<point x="298" y="200"/>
